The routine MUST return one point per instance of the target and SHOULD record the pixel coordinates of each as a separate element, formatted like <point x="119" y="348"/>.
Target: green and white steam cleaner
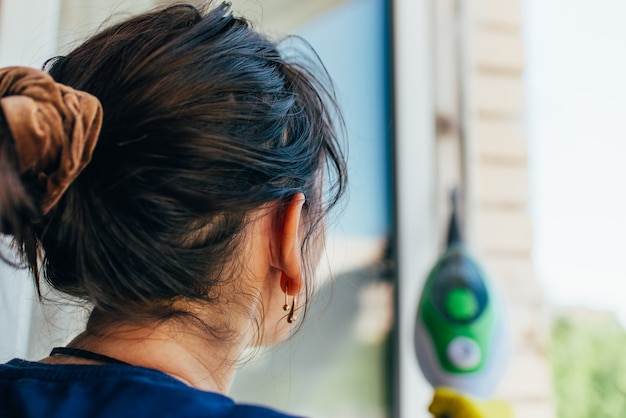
<point x="461" y="341"/>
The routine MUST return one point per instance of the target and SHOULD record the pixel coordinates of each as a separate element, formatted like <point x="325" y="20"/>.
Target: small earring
<point x="291" y="316"/>
<point x="286" y="306"/>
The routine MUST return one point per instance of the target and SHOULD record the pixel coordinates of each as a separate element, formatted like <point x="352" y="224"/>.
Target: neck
<point x="184" y="355"/>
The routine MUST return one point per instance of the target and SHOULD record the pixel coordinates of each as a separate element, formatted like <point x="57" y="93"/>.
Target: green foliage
<point x="589" y="361"/>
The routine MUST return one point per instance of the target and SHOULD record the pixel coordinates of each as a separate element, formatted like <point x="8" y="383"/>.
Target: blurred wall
<point x="28" y="35"/>
<point x="498" y="183"/>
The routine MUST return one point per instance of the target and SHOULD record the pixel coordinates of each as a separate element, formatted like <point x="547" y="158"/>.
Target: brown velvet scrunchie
<point x="54" y="127"/>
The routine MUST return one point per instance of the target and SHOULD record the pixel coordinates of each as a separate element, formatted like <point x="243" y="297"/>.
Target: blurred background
<point x="515" y="102"/>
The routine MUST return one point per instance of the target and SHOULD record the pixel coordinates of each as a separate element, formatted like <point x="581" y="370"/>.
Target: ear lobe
<point x="287" y="258"/>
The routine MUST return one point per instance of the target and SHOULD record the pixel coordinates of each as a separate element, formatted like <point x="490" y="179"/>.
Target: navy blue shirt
<point x="38" y="390"/>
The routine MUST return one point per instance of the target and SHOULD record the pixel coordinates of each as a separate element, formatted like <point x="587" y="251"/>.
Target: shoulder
<point x="110" y="391"/>
<point x="254" y="411"/>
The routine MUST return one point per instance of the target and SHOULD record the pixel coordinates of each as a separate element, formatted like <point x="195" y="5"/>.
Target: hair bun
<point x="54" y="128"/>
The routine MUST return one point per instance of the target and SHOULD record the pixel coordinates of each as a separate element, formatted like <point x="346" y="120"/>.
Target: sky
<point x="575" y="76"/>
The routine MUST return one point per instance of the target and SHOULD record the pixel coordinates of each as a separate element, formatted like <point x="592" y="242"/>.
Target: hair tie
<point x="54" y="128"/>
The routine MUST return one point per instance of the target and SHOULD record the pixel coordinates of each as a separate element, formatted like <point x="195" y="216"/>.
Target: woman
<point x="174" y="172"/>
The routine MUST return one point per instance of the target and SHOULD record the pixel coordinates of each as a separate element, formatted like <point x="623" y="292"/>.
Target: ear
<point x="286" y="242"/>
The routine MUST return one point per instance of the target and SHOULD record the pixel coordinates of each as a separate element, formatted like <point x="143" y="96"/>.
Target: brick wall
<point x="498" y="192"/>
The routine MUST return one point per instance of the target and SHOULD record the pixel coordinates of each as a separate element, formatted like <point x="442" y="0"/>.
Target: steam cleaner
<point x="461" y="340"/>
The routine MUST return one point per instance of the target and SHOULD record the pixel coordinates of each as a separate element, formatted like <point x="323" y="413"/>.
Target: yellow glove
<point x="450" y="404"/>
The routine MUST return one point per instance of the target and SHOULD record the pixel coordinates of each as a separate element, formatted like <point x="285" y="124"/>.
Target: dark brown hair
<point x="204" y="121"/>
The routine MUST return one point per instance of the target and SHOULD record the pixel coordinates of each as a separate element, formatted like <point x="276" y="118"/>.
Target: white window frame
<point x="417" y="236"/>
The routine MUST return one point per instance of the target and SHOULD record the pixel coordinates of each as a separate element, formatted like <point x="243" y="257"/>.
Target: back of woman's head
<point x="203" y="122"/>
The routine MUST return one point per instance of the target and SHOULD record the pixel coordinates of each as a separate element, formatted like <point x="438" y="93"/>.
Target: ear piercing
<point x="291" y="316"/>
